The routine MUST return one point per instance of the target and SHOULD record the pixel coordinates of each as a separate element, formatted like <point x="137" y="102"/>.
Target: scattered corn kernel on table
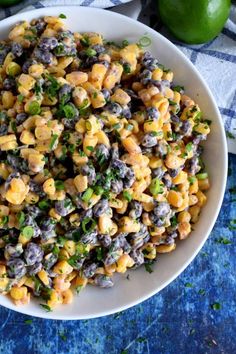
<point x="195" y="313"/>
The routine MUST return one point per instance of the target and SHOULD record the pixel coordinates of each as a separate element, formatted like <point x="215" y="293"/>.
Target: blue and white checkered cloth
<point x="215" y="60"/>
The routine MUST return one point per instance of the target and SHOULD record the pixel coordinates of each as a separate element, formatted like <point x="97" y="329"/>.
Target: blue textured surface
<point x="180" y="319"/>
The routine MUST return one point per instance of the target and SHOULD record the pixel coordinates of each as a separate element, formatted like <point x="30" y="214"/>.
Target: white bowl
<point x="95" y="302"/>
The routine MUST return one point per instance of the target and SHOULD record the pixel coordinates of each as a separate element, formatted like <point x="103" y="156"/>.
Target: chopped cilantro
<point x="44" y="204"/>
<point x="174" y="221"/>
<point x="148" y="267"/>
<point x="90" y="148"/>
<point x="124" y="43"/>
<point x="13" y="126"/>
<point x="53" y="140"/>
<point x="127" y="68"/>
<point x="20" y="98"/>
<point x="201" y="292"/>
<point x="172" y="103"/>
<point x="46" y="307"/>
<point x="178" y="88"/>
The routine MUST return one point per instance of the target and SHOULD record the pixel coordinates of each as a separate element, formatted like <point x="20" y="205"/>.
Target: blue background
<point x="180" y="319"/>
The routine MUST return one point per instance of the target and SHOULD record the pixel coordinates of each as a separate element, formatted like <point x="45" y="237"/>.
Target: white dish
<point x="95" y="302"/>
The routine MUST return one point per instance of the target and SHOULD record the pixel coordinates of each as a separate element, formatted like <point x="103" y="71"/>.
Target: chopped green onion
<point x="20" y="98"/>
<point x="28" y="231"/>
<point x="34" y="108"/>
<point x="192" y="180"/>
<point x="156" y="186"/>
<point x="69" y="111"/>
<point x="87" y="195"/>
<point x="144" y="41"/>
<point x="216" y="306"/>
<point x="189" y="147"/>
<point x="62" y="16"/>
<point x="59" y="185"/>
<point x="173" y="103"/>
<point x="127" y="68"/>
<point x="127" y="196"/>
<point x="129" y="127"/>
<point x="88" y="224"/>
<point x="90" y="52"/>
<point x="202" y="175"/>
<point x="125" y="43"/>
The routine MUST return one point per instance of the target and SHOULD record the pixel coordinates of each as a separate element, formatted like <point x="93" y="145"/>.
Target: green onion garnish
<point x="28" y="231"/>
<point x="34" y="108"/>
<point x="87" y="195"/>
<point x="202" y="175"/>
<point x="156" y="186"/>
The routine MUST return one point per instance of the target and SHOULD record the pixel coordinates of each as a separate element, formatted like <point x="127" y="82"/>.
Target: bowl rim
<point x="60" y="9"/>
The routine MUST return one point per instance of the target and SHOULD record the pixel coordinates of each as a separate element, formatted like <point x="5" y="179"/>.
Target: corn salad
<point x="100" y="161"/>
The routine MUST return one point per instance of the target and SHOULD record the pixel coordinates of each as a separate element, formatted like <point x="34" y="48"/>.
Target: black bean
<point x="150" y="64"/>
<point x="16" y="268"/>
<point x="4" y="50"/>
<point x="47" y="224"/>
<point x="3" y="129"/>
<point x="162" y="209"/>
<point x="105" y="240"/>
<point x="89" y="171"/>
<point x="20" y="118"/>
<point x="193" y="166"/>
<point x="49" y="260"/>
<point x="48" y="43"/>
<point x="162" y="148"/>
<point x="111" y="257"/>
<point x="86" y="214"/>
<point x="185" y="128"/>
<point x="9" y="83"/>
<point x="149" y="140"/>
<point x="136" y="209"/>
<point x="103" y="281"/>
<point x="169" y="240"/>
<point x="126" y="112"/>
<point x="33" y="253"/>
<point x="18" y="163"/>
<point x="156" y="220"/>
<point x="106" y="94"/>
<point x="27" y="64"/>
<point x="64" y="93"/>
<point x="43" y="56"/>
<point x="105" y="63"/>
<point x="173" y="172"/>
<point x="120" y="167"/>
<point x="13" y="251"/>
<point x="101" y="207"/>
<point x="174" y="119"/>
<point x="114" y="108"/>
<point x="158" y="172"/>
<point x="138" y="257"/>
<point x="101" y="153"/>
<point x="166" y="179"/>
<point x="114" y="152"/>
<point x="152" y="113"/>
<point x="34" y="211"/>
<point x="145" y="77"/>
<point x="89" y="270"/>
<point x="35" y="268"/>
<point x="90" y="237"/>
<point x="117" y="186"/>
<point x="45" y="236"/>
<point x="36" y="188"/>
<point x="64" y="207"/>
<point x="129" y="178"/>
<point x="40" y="25"/>
<point x="16" y="49"/>
<point x="98" y="48"/>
